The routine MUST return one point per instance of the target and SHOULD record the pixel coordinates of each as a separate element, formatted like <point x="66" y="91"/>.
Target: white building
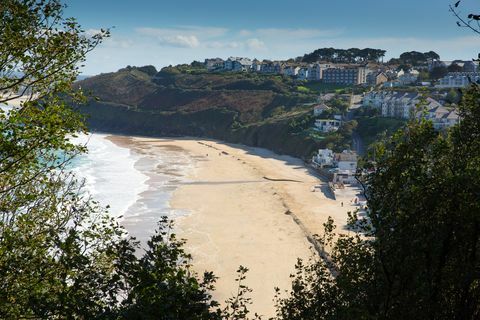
<point x="346" y="163"/>
<point x="458" y="79"/>
<point x="407" y="78"/>
<point x="393" y="104"/>
<point x="442" y="117"/>
<point x="323" y="158"/>
<point x="327" y="125"/>
<point x="256" y="65"/>
<point x="291" y="71"/>
<point x="303" y="74"/>
<point x="346" y="160"/>
<point x="237" y="64"/>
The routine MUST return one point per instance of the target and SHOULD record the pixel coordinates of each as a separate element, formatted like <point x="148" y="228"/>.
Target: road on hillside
<point x="358" y="144"/>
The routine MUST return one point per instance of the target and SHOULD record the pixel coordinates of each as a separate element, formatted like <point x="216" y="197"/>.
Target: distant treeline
<point x="352" y="55"/>
<point x="415" y="58"/>
<point x="355" y="55"/>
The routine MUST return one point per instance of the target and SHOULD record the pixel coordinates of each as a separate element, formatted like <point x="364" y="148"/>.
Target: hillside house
<point x="346" y="76"/>
<point x="323" y="158"/>
<point x="442" y="117"/>
<point x="318" y="109"/>
<point x="302" y="74"/>
<point x="407" y="78"/>
<point x="458" y="79"/>
<point x="256" y="65"/>
<point x="376" y="78"/>
<point x="346" y="164"/>
<point x="327" y="125"/>
<point x="315" y="71"/>
<point x="214" y="64"/>
<point x="291" y="71"/>
<point x="242" y="64"/>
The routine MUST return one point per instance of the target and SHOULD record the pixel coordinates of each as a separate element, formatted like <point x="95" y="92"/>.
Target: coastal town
<point x="453" y="74"/>
<point x="415" y="86"/>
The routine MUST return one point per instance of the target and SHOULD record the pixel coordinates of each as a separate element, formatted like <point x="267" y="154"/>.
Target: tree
<point x="416" y="253"/>
<point x="452" y="96"/>
<point x="43" y="227"/>
<point x="61" y="255"/>
<point x="471" y="21"/>
<point x="438" y="72"/>
<point x="454" y="68"/>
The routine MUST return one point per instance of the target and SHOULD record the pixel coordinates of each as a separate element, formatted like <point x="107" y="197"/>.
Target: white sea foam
<point x="137" y="182"/>
<point x="109" y="173"/>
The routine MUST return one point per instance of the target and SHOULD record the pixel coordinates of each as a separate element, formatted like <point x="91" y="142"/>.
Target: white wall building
<point x="323" y="158"/>
<point x="327" y="125"/>
<point x="291" y="71"/>
<point x="458" y="79"/>
<point x="303" y="74"/>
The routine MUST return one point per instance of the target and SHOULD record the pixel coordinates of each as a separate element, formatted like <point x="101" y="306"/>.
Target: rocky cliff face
<point x="235" y="108"/>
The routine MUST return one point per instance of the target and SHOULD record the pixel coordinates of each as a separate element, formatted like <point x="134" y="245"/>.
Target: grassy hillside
<point x="253" y="109"/>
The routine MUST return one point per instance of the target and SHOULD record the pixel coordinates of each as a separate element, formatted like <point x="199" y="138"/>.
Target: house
<point x="318" y="109"/>
<point x="302" y="74"/>
<point x="346" y="160"/>
<point x="315" y="71"/>
<point x="256" y="65"/>
<point x="267" y="67"/>
<point x="407" y="78"/>
<point x="237" y="64"/>
<point x="458" y="79"/>
<point x="441" y="116"/>
<point x="242" y="64"/>
<point x="327" y="125"/>
<point x="291" y="71"/>
<point x="323" y="158"/>
<point x="346" y="76"/>
<point x="346" y="164"/>
<point x="376" y="78"/>
<point x="400" y="104"/>
<point x="393" y="104"/>
<point x="214" y="64"/>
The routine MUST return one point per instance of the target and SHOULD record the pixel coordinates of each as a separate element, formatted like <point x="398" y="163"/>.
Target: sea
<point x="135" y="181"/>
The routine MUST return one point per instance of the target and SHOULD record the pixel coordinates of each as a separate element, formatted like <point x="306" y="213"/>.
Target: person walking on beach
<point x="342" y="203"/>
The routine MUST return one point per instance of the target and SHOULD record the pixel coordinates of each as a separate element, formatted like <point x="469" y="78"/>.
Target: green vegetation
<point x="373" y="128"/>
<point x="319" y="87"/>
<point x="415" y="253"/>
<point x="352" y="55"/>
<point x="414" y="58"/>
<point x="61" y="256"/>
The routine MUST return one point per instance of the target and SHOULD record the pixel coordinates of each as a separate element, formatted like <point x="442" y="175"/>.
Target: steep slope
<point x="235" y="107"/>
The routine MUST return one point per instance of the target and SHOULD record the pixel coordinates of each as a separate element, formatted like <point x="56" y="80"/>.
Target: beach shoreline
<point x="245" y="206"/>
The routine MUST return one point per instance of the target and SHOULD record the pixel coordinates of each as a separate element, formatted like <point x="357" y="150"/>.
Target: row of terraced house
<point x="328" y="73"/>
<point x="406" y="105"/>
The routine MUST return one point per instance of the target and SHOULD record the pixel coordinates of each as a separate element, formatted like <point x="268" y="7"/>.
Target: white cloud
<point x="255" y="44"/>
<point x="179" y="41"/>
<point x="223" y="45"/>
<point x="182" y="36"/>
<point x="92" y="32"/>
<point x="298" y="33"/>
<point x="244" y="33"/>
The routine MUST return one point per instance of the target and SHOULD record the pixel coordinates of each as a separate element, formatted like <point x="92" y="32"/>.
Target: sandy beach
<point x="246" y="206"/>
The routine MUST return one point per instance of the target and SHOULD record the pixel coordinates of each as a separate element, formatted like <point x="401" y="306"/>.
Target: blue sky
<point x="164" y="32"/>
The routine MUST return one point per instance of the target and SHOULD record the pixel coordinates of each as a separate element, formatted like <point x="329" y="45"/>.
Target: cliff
<point x="241" y="108"/>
